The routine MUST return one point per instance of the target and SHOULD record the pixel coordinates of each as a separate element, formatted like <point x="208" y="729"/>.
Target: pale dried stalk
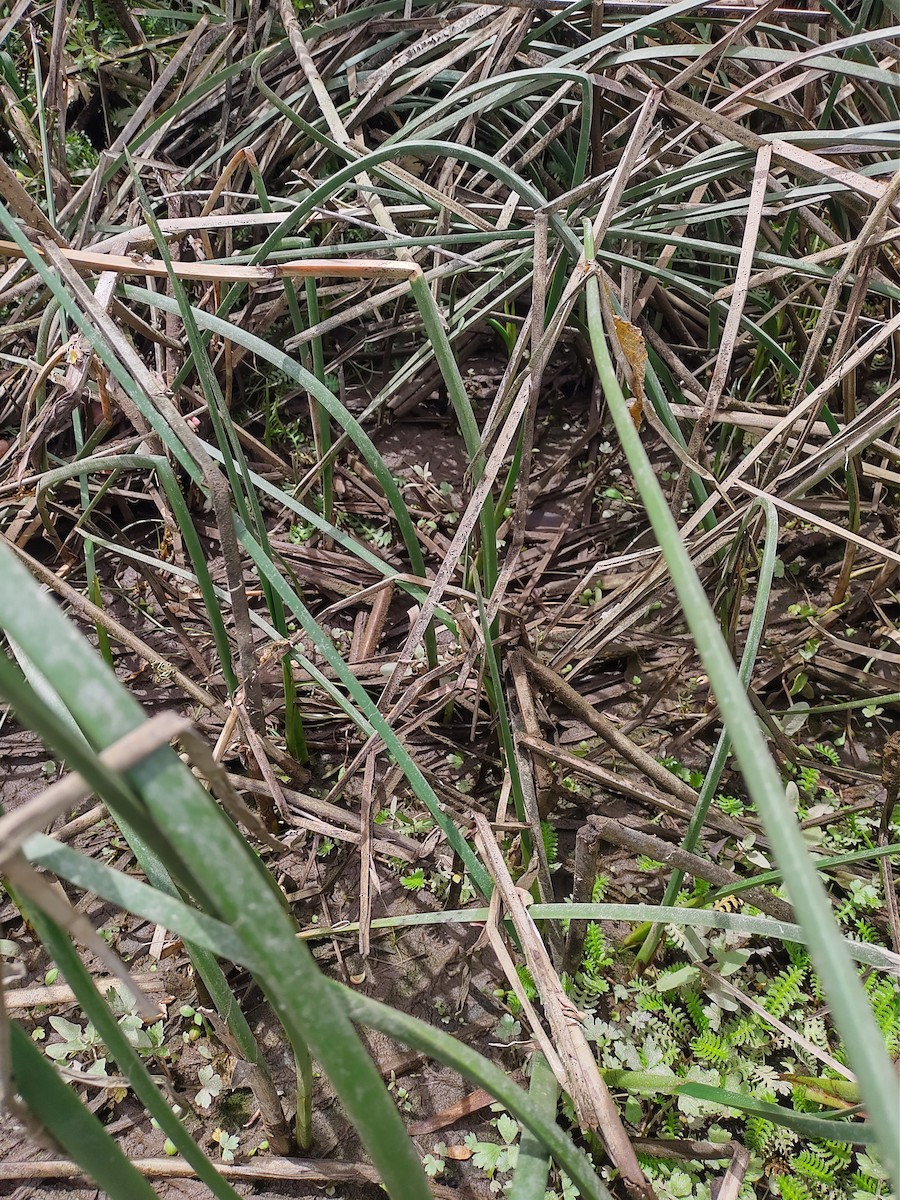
<point x="593" y="1103"/>
<point x="37" y="813"/>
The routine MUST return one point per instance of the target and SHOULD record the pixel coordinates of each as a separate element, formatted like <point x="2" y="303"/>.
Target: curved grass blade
<point x="850" y="1007"/>
<point x="808" y="1124"/>
<point x="765" y="928"/>
<point x="57" y="1107"/>
<point x="241" y="892"/>
<point x="529" y="1180"/>
<point x="129" y="1062"/>
<point x="829" y="1128"/>
<point x="723" y="746"/>
<point x="212" y="934"/>
<point x="132" y="895"/>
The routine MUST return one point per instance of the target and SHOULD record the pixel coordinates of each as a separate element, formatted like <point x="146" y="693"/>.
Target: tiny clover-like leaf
<point x="433" y="1166"/>
<point x="508" y="1028"/>
<point x="680" y="1184"/>
<point x="507" y="1128"/>
<point x="210" y="1086"/>
<point x="228" y="1144"/>
<point x="485" y="1155"/>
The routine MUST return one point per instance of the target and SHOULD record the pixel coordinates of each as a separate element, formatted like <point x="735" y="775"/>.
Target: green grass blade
<point x="533" y="1166"/>
<point x="853" y="1016"/>
<point x="136" y="897"/>
<point x="124" y="1054"/>
<point x="57" y="1107"/>
<point x="370" y="712"/>
<point x="240" y="891"/>
<point x="723" y="746"/>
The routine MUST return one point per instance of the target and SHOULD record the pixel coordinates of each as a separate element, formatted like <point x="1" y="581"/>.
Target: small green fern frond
<point x="784" y="991"/>
<point x="680" y="1026"/>
<point x="648" y="1001"/>
<point x="864" y="1183"/>
<point x="758" y="1134"/>
<point x="596" y="952"/>
<point x="598" y="891"/>
<point x="527" y="982"/>
<point x="784" y="1140"/>
<point x="792" y="1188"/>
<point x="694" y="1005"/>
<point x="746" y="1029"/>
<point x="836" y="1155"/>
<point x="829" y="752"/>
<point x="811" y="1165"/>
<point x="865" y="931"/>
<point x="815" y="1031"/>
<point x="711" y="1047"/>
<point x="808" y="780"/>
<point x="797" y="953"/>
<point x="885" y="1000"/>
<point x="587" y="989"/>
<point x="551" y="842"/>
<point x="815" y="987"/>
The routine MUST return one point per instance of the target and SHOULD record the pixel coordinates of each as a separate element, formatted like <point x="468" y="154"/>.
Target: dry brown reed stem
<point x="594" y="1107"/>
<point x="691" y="864"/>
<point x="34" y="815"/>
<point x="142" y="264"/>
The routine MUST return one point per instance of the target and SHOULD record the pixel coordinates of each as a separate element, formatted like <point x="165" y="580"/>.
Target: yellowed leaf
<point x="458" y="1153"/>
<point x="631" y="343"/>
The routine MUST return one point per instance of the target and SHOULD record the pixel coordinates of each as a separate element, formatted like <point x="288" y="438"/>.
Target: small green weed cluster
<point x="677" y="1026"/>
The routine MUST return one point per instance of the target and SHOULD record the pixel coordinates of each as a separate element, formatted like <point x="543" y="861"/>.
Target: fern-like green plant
<point x="865" y="931"/>
<point x="884" y="997"/>
<point x="527" y="982"/>
<point x="808" y="780"/>
<point x="694" y="1004"/>
<point x="864" y="1183"/>
<point x="797" y="953"/>
<point x="827" y="751"/>
<point x="649" y="1000"/>
<point x="837" y="1155"/>
<point x="730" y="805"/>
<point x="784" y="991"/>
<point x="811" y="1165"/>
<point x="745" y="1030"/>
<point x="792" y="1188"/>
<point x="679" y="1024"/>
<point x="758" y="1134"/>
<point x="598" y="891"/>
<point x="711" y="1047"/>
<point x="551" y="842"/>
<point x="592" y="977"/>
